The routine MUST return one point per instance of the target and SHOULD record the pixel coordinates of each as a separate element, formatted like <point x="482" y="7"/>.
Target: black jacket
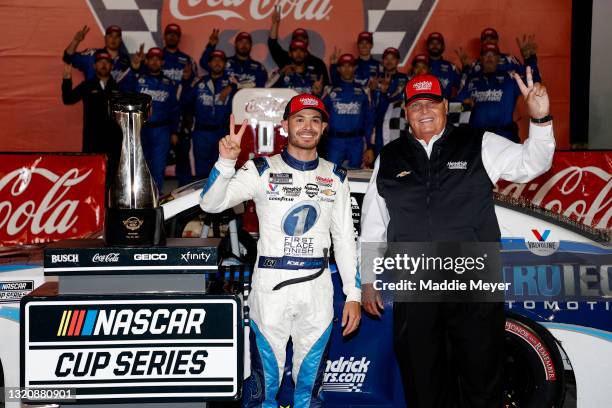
<point x="281" y="58"/>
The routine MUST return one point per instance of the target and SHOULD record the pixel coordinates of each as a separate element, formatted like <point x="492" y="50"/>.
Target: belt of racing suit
<point x="344" y="135"/>
<point x="307" y="277"/>
<point x="208" y="128"/>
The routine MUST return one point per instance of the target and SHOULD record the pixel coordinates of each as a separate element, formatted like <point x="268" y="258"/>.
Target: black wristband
<point x="545" y="119"/>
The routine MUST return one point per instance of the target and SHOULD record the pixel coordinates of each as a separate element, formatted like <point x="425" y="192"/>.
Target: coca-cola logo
<point x="581" y="193"/>
<point x="106" y="258"/>
<point x="257" y="9"/>
<point x="54" y="214"/>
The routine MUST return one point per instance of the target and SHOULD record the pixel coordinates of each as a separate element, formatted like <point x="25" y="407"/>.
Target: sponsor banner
<point x="47" y="197"/>
<point x="12" y="291"/>
<point x="578" y="186"/>
<point x="141" y="348"/>
<point x="92" y="258"/>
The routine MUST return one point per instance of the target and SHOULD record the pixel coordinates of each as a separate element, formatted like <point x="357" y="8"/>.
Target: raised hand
<point x="229" y="146"/>
<point x="384" y="84"/>
<point x="535" y="95"/>
<point x="80" y="35"/>
<point x="276" y="14"/>
<point x="138" y="57"/>
<point x="288" y="69"/>
<point x="214" y="37"/>
<point x="67" y="74"/>
<point x="317" y="86"/>
<point x="527" y="46"/>
<point x="373" y="83"/>
<point x="462" y="55"/>
<point x="333" y="59"/>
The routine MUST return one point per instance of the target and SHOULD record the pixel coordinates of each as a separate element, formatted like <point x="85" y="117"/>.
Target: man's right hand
<point x="463" y="57"/>
<point x="214" y="37"/>
<point x="371" y="300"/>
<point x="229" y="146"/>
<point x="138" y="58"/>
<point x="276" y="15"/>
<point x="67" y="71"/>
<point x="80" y="35"/>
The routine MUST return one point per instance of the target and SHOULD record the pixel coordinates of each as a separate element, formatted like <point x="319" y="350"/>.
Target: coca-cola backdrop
<point x="35" y="33"/>
<point x="577" y="186"/>
<point x="47" y="197"/>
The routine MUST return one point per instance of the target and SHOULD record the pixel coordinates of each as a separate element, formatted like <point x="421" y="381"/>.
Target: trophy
<point x="133" y="214"/>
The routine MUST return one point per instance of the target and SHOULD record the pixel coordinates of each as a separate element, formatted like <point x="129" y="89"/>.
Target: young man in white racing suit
<point x="300" y="200"/>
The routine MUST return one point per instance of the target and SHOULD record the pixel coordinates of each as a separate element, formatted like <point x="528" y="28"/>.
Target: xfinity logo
<point x="150" y="257"/>
<point x="65" y="258"/>
<point x="110" y="257"/>
<point x="195" y="256"/>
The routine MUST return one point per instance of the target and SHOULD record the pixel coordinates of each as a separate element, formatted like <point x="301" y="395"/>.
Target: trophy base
<point x="134" y="227"/>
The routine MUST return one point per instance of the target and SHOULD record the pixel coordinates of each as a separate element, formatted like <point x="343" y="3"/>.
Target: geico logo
<point x="150" y="257"/>
<point x="131" y="363"/>
<point x="147" y="321"/>
<point x="65" y="258"/>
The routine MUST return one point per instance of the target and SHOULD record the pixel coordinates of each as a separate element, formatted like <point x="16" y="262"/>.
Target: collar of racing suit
<point x="298" y="164"/>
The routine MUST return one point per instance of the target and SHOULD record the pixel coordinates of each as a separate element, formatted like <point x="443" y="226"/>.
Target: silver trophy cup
<point x="133" y="214"/>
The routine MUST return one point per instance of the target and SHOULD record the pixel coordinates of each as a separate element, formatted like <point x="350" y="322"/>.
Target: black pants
<point x="450" y="354"/>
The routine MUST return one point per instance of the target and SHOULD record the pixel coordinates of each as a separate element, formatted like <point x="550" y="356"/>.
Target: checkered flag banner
<point x="140" y="20"/>
<point x="397" y="23"/>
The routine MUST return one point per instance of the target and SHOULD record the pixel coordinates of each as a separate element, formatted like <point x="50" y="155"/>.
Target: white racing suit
<point x="298" y="205"/>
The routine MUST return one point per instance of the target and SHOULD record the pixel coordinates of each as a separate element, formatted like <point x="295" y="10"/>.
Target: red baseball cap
<point x="173" y="28"/>
<point x="102" y="54"/>
<point x="488" y="32"/>
<point x="346" y="59"/>
<point x="391" y="50"/>
<point x="299" y="32"/>
<point x="243" y="35"/>
<point x="113" y="29"/>
<point x="420" y="58"/>
<point x="305" y="101"/>
<point x="155" y="52"/>
<point x="298" y="44"/>
<point x="365" y="35"/>
<point x="435" y="36"/>
<point x="424" y="86"/>
<point x="217" y="54"/>
<point x="489" y="48"/>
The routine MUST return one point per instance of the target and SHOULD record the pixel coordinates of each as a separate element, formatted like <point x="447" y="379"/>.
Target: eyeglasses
<point x="418" y="106"/>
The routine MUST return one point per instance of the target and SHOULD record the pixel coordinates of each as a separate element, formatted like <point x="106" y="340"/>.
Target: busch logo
<point x="107" y="258"/>
<point x="52" y="215"/>
<point x="345" y="375"/>
<point x="74" y="258"/>
<point x="258" y="9"/>
<point x="422" y="86"/>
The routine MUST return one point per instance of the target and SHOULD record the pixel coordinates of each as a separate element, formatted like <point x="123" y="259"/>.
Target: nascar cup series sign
<point x="136" y="349"/>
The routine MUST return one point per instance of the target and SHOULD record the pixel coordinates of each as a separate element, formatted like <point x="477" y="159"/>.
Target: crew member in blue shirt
<point x="446" y="71"/>
<point x="162" y="126"/>
<point x="492" y="94"/>
<point x="209" y="101"/>
<point x="367" y="68"/>
<point x="350" y="116"/>
<point x="84" y="60"/>
<point x="297" y="75"/>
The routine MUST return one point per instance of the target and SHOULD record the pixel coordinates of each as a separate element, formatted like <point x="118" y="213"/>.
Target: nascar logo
<point x="102" y="322"/>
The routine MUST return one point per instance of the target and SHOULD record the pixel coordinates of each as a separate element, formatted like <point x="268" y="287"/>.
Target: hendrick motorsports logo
<point x="134" y="349"/>
<point x="344" y="375"/>
<point x="542" y="247"/>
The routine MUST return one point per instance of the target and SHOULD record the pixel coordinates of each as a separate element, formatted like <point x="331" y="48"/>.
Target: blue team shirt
<point x="202" y="98"/>
<point x="84" y="61"/>
<point x="349" y="110"/>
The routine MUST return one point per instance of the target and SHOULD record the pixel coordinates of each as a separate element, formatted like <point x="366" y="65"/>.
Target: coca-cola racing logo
<point x="257" y="9"/>
<point x="55" y="213"/>
<point x="111" y="257"/>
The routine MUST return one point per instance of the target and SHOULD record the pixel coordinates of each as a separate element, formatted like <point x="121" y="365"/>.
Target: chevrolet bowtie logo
<point x="403" y="173"/>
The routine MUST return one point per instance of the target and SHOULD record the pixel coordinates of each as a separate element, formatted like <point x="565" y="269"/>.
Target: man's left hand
<point x="225" y="93"/>
<point x="528" y="46"/>
<point x="536" y="97"/>
<point x="351" y="316"/>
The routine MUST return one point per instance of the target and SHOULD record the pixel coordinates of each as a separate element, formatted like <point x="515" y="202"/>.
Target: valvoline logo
<point x="542" y="237"/>
<point x="124" y="322"/>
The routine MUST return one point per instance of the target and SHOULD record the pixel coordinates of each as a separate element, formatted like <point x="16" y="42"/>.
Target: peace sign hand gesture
<point x="229" y="146"/>
<point x="384" y="84"/>
<point x="535" y="95"/>
<point x="80" y="35"/>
